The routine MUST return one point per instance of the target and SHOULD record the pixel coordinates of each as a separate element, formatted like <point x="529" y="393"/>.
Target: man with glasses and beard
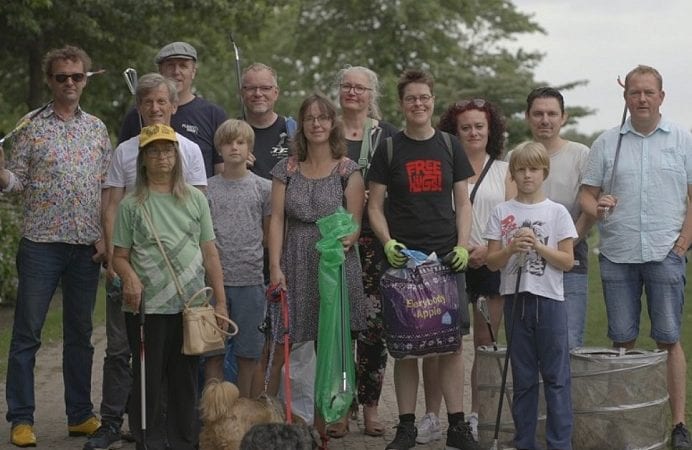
<point x="196" y="118"/>
<point x="260" y="92"/>
<point x="58" y="165"/>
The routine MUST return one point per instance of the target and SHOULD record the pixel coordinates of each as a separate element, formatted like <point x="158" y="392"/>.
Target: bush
<point x="10" y="232"/>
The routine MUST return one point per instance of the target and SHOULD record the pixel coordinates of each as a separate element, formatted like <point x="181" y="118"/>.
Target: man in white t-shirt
<point x="157" y="100"/>
<point x="545" y="114"/>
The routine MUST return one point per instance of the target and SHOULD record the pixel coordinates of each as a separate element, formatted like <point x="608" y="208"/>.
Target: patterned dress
<point x="306" y="201"/>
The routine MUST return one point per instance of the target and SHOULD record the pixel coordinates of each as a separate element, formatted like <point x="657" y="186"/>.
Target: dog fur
<point x="226" y="418"/>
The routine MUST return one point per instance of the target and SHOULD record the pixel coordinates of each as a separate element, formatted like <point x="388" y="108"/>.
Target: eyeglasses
<point x="411" y="99"/>
<point x="159" y="152"/>
<point x="321" y="119"/>
<point x="262" y="89"/>
<point x="62" y="77"/>
<point x="477" y="102"/>
<point x="358" y="89"/>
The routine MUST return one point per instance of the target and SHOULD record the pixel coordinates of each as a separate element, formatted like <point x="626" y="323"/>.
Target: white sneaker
<point x="428" y="429"/>
<point x="473" y="423"/>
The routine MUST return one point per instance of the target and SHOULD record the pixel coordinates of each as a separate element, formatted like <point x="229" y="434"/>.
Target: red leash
<point x="287" y="358"/>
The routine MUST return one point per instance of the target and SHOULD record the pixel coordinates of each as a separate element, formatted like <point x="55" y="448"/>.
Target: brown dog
<point x="226" y="418"/>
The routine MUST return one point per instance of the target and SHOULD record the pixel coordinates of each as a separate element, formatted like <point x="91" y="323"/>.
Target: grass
<point x="52" y="329"/>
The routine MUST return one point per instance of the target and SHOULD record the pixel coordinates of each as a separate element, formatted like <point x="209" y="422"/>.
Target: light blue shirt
<point x="651" y="182"/>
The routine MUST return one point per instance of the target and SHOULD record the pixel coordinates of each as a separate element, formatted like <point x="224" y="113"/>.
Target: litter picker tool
<point x="237" y="75"/>
<point x="611" y="185"/>
<point x="521" y="260"/>
<point x="131" y="78"/>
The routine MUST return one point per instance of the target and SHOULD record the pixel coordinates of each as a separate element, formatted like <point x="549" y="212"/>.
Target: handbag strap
<point x="178" y="287"/>
<point x="485" y="170"/>
<point x="207" y="291"/>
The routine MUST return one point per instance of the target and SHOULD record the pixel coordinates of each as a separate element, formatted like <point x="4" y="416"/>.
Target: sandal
<point x="373" y="427"/>
<point x="339" y="429"/>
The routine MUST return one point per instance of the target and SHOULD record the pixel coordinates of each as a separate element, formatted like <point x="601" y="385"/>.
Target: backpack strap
<point x="365" y="144"/>
<point x="291" y="126"/>
<point x="448" y="143"/>
<point x="390" y="150"/>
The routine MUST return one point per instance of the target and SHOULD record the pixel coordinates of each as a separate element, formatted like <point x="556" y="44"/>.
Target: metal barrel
<point x="619" y="399"/>
<point x="489" y="375"/>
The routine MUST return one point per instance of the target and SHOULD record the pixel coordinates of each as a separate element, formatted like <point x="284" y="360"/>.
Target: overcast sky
<point x="599" y="40"/>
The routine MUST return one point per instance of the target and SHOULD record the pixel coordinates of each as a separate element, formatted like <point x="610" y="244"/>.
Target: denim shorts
<point x="246" y="307"/>
<point x="664" y="285"/>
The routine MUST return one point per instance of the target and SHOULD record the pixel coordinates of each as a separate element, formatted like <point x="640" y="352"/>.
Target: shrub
<point x="10" y="232"/>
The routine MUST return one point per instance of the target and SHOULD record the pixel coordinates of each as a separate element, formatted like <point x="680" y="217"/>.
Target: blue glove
<point x="392" y="249"/>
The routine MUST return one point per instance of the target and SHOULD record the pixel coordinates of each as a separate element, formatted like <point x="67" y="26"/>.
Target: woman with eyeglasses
<point x="164" y="208"/>
<point x="480" y="127"/>
<point x="310" y="184"/>
<point x="428" y="209"/>
<point x="359" y="91"/>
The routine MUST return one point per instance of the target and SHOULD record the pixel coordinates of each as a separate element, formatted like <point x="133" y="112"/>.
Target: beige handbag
<point x="201" y="333"/>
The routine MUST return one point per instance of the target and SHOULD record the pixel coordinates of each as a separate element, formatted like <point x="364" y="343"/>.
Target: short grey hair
<point x="149" y="82"/>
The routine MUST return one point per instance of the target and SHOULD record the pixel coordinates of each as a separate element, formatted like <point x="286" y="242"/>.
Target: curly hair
<point x="496" y="122"/>
<point x="66" y="53"/>
<point x="337" y="142"/>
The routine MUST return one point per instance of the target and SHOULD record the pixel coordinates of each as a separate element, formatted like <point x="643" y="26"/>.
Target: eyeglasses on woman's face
<point x="322" y="119"/>
<point x="356" y="88"/>
<point x="412" y="99"/>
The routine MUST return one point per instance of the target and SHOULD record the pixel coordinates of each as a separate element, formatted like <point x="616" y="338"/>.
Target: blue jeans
<point x="117" y="374"/>
<point x="664" y="284"/>
<point x="576" y="286"/>
<point x="539" y="344"/>
<point x="40" y="267"/>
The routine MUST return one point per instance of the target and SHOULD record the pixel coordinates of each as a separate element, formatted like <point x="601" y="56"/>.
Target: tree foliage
<point x="462" y="42"/>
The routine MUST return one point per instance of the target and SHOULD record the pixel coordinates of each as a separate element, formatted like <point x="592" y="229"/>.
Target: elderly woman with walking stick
<point x="164" y="208"/>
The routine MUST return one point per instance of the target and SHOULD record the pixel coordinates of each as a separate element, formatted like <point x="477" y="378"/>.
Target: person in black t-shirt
<point x="260" y="91"/>
<point x="428" y="209"/>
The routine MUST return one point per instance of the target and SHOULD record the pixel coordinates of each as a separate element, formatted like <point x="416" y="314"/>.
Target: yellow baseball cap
<point x="156" y="133"/>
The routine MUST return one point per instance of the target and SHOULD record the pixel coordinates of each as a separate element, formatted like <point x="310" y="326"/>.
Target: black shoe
<point x="107" y="437"/>
<point x="681" y="437"/>
<point x="405" y="437"/>
<point x="459" y="437"/>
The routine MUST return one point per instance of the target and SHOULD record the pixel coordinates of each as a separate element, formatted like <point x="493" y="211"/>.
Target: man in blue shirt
<point x="646" y="227"/>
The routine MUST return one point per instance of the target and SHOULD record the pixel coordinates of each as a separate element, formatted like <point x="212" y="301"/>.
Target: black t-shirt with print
<point x="420" y="182"/>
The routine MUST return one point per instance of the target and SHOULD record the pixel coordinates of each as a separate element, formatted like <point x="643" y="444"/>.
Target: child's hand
<point x="523" y="241"/>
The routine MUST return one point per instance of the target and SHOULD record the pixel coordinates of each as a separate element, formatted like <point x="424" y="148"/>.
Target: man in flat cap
<point x="196" y="118"/>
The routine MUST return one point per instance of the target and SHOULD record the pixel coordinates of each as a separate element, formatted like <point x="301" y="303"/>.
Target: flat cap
<point x="176" y="50"/>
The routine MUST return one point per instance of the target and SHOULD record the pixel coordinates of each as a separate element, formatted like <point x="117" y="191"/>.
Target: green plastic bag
<point x="335" y="377"/>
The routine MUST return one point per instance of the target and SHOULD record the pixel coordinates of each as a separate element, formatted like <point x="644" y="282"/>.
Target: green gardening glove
<point x="458" y="258"/>
<point x="393" y="251"/>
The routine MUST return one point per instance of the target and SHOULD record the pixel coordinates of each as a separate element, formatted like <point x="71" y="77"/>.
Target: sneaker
<point x="405" y="437"/>
<point x="473" y="423"/>
<point x="106" y="438"/>
<point x="459" y="437"/>
<point x="681" y="437"/>
<point x="22" y="435"/>
<point x="429" y="429"/>
<point x="86" y="428"/>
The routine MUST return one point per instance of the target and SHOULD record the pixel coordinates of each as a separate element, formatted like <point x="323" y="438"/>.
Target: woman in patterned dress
<point x="310" y="184"/>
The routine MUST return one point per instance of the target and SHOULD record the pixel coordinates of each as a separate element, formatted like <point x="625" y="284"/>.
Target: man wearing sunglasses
<point x="59" y="163"/>
<point x="196" y="118"/>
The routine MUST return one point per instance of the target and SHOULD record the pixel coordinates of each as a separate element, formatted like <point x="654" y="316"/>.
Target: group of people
<point x="189" y="199"/>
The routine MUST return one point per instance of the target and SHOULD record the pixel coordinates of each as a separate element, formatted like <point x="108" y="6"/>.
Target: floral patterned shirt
<point x="59" y="166"/>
